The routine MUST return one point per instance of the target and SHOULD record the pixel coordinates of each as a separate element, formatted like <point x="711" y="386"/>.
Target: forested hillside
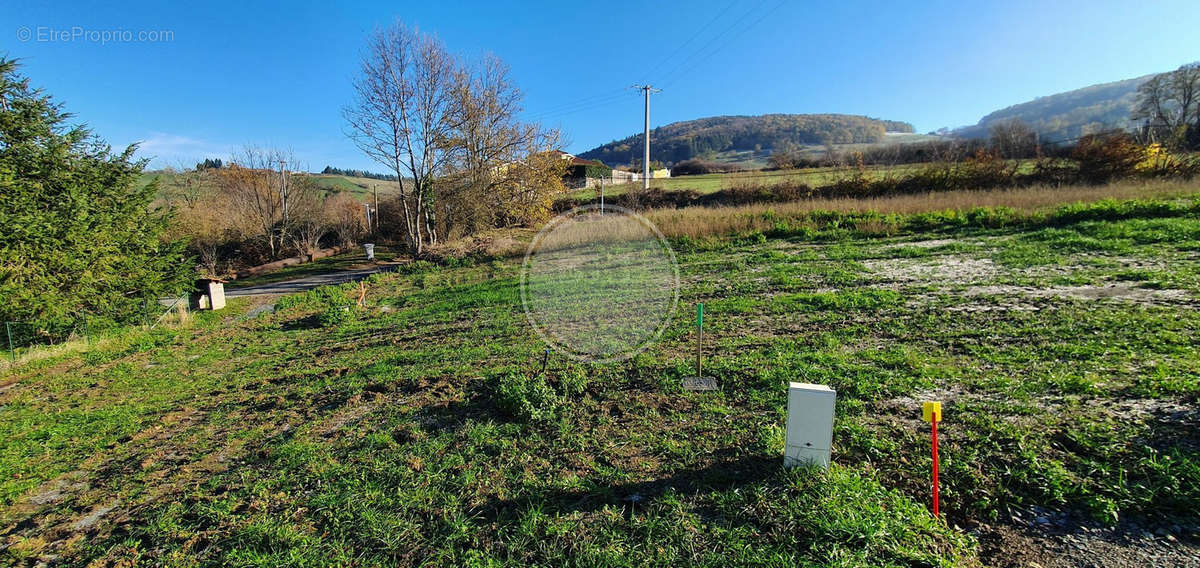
<point x="1071" y="114"/>
<point x="705" y="137"/>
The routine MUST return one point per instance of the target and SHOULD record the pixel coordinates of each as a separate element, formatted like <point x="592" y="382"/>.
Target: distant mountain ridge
<point x="705" y="137"/>
<point x="1071" y="114"/>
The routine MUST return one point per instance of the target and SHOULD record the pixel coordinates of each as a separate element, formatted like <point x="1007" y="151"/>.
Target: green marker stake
<point x="699" y="339"/>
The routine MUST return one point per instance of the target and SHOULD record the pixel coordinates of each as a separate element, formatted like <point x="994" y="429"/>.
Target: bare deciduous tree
<point x="186" y="186"/>
<point x="263" y="196"/>
<point x="1013" y="138"/>
<point x="1169" y="104"/>
<point x="403" y="117"/>
<point x="346" y="217"/>
<point x="307" y="221"/>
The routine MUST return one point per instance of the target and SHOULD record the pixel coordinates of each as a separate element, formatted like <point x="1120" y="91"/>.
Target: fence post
<point x="11" y="353"/>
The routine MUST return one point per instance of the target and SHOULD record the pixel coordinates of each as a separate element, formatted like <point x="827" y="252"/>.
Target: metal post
<point x="11" y="352"/>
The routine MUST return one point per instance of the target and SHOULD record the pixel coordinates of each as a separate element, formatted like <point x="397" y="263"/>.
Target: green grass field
<point x="417" y="430"/>
<point x="709" y="183"/>
<point x="361" y="188"/>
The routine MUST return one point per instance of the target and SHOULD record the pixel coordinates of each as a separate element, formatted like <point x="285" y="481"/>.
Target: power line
<point x="585" y="100"/>
<point x="654" y="70"/>
<point x="607" y="99"/>
<point x="583" y="106"/>
<point x="695" y="58"/>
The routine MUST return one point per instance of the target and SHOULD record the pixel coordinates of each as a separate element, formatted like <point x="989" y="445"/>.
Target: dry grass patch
<point x="704" y="221"/>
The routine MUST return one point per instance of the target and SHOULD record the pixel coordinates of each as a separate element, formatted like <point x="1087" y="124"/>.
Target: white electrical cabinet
<point x="809" y="425"/>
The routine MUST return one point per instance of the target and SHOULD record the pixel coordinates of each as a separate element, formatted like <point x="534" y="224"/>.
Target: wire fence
<point x="23" y="337"/>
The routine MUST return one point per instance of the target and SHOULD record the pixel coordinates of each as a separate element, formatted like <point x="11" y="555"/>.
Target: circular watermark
<point x="599" y="285"/>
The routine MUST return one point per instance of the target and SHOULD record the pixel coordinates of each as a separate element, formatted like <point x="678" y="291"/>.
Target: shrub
<point x="337" y="315"/>
<point x="524" y="398"/>
<point x="573" y="381"/>
<point x="334" y="305"/>
<point x="1105" y="158"/>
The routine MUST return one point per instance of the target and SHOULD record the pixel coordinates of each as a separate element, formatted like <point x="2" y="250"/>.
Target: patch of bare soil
<point x="1047" y="538"/>
<point x="1058" y="540"/>
<point x="952" y="269"/>
<point x="931" y="243"/>
<point x="1110" y="291"/>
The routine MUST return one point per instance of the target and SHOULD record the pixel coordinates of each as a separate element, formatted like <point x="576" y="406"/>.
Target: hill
<point x="709" y="137"/>
<point x="1068" y="115"/>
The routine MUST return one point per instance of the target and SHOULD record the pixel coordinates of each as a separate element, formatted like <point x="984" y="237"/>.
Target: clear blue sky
<point x="278" y="74"/>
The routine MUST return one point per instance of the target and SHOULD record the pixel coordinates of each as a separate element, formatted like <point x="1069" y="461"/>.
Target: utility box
<point x="209" y="294"/>
<point x="809" y="425"/>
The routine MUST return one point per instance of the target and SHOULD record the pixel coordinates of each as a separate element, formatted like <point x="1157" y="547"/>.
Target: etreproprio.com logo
<point x="80" y="34"/>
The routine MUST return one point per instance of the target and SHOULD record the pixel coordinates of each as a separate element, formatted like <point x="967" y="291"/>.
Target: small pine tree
<point x="79" y="234"/>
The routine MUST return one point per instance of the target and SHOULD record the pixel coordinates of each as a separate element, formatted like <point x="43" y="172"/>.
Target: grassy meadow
<point x="361" y="188"/>
<point x="418" y="428"/>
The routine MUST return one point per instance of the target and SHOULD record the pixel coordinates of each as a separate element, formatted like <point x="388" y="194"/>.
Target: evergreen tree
<point x="79" y="236"/>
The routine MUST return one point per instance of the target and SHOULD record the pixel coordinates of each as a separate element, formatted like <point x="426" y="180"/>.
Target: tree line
<point x="252" y="211"/>
<point x="330" y="170"/>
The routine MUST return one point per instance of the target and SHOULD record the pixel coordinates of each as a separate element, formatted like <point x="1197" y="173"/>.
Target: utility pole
<point x="283" y="194"/>
<point x="283" y="198"/>
<point x="646" y="89"/>
<point x="375" y="190"/>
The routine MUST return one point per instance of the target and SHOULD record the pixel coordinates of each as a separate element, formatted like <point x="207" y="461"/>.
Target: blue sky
<point x="277" y="74"/>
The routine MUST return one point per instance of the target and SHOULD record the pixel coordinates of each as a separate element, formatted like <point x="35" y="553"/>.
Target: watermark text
<point x="81" y="34"/>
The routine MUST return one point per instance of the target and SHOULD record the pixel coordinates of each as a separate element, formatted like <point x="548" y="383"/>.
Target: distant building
<point x="590" y="173"/>
<point x="582" y="173"/>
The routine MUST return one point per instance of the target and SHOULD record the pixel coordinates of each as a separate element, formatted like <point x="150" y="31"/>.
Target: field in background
<point x="708" y="183"/>
<point x="360" y="188"/>
<point x="890" y="215"/>
<point x="418" y="428"/>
